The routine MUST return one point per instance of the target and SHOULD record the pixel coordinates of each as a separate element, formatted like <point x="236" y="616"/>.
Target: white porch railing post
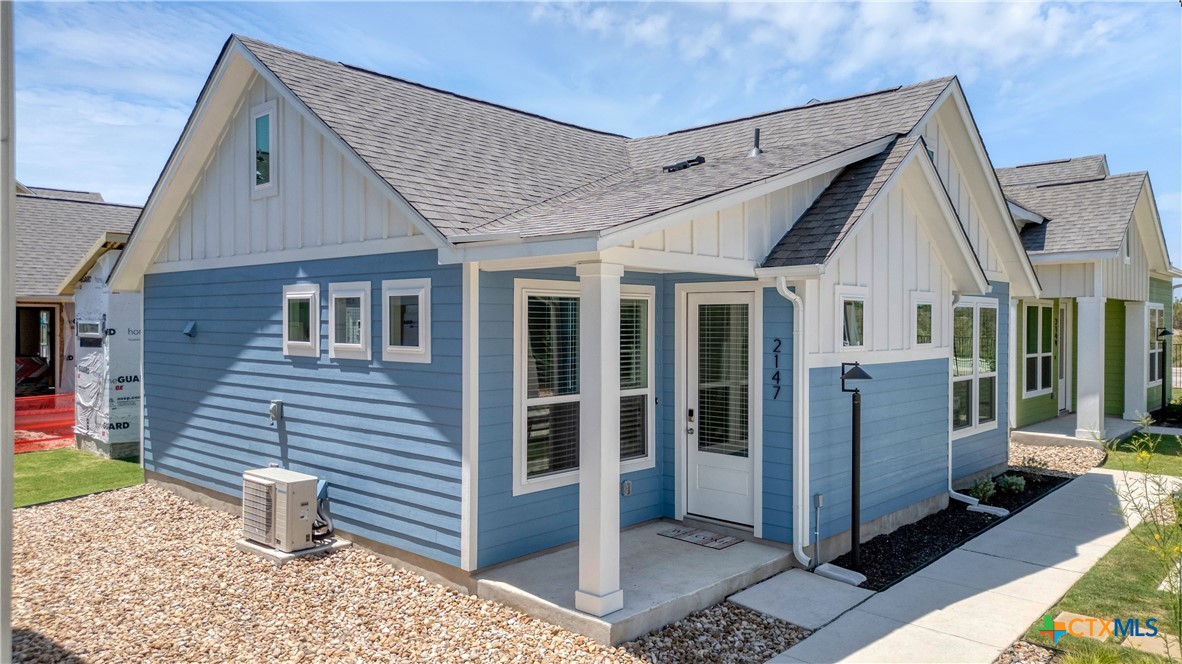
<point x="1136" y="359"/>
<point x="1089" y="417"/>
<point x="599" y="443"/>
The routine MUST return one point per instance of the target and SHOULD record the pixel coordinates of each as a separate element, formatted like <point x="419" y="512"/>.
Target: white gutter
<point x="800" y="428"/>
<point x="953" y="494"/>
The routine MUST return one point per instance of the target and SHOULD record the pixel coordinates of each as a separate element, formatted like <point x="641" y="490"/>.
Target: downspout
<point x="800" y="446"/>
<point x="954" y="494"/>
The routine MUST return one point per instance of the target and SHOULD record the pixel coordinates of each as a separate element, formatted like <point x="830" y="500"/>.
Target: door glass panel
<point x="723" y="381"/>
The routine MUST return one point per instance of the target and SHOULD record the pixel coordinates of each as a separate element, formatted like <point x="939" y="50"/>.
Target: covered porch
<point x="1062" y="430"/>
<point x="664" y="580"/>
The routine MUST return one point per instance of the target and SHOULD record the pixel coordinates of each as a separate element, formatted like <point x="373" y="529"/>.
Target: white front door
<point x="1065" y="354"/>
<point x="719" y="419"/>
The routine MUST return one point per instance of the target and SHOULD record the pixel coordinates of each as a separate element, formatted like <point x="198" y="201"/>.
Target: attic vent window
<point x="684" y="164"/>
<point x="262" y="139"/>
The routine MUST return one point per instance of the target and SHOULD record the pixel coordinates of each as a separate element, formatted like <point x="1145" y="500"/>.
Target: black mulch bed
<point x="888" y="559"/>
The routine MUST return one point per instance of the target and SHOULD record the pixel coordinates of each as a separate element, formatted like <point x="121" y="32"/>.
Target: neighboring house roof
<point x="476" y="168"/>
<point x="53" y="235"/>
<point x="1087" y="215"/>
<point x="815" y="236"/>
<point x="1058" y="170"/>
<point x="67" y="194"/>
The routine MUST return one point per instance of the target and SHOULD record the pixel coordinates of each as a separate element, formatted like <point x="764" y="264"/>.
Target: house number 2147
<point x="776" y="343"/>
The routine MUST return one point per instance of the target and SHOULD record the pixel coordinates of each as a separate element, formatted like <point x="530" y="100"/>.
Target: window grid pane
<point x="1046" y="329"/>
<point x="262" y="149"/>
<point x="852" y="327"/>
<point x="404" y="321"/>
<point x="962" y="401"/>
<point x="633" y="344"/>
<point x="348" y="320"/>
<point x="987" y="343"/>
<point x="962" y="341"/>
<point x="633" y="426"/>
<point x="986" y="399"/>
<point x="723" y="379"/>
<point x="923" y="324"/>
<point x="552" y="358"/>
<point x="552" y="438"/>
<point x="299" y="316"/>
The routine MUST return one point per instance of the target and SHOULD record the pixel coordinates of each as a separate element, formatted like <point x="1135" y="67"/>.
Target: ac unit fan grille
<point x="258" y="509"/>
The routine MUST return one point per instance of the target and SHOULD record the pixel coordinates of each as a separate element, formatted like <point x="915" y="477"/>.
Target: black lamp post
<point x="1164" y="335"/>
<point x="852" y="371"/>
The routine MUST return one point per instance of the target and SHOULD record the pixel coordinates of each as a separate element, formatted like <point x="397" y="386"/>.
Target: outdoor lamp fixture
<point x="1163" y="337"/>
<point x="853" y="371"/>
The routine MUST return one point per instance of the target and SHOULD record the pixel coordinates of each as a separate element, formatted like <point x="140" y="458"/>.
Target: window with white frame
<point x="406" y="320"/>
<point x="348" y="320"/>
<point x="1039" y="351"/>
<point x="1129" y="243"/>
<point x="1157" y="321"/>
<point x="547" y="364"/>
<point x="301" y="320"/>
<point x="851" y="317"/>
<point x="974" y="366"/>
<point x="923" y="317"/>
<point x="262" y="141"/>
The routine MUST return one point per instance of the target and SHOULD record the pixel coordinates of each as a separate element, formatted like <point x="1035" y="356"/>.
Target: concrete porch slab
<point x="1060" y="431"/>
<point x="663" y="581"/>
<point x="801" y="598"/>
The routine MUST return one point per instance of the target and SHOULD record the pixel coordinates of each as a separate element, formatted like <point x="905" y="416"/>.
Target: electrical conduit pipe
<point x="800" y="427"/>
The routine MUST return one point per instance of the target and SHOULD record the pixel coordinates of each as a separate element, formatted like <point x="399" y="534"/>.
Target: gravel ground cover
<point x="1022" y="652"/>
<point x="1053" y="460"/>
<point x="141" y="575"/>
<point x="722" y="633"/>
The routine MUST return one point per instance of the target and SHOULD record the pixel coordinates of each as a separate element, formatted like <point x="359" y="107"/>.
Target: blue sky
<point x="104" y="89"/>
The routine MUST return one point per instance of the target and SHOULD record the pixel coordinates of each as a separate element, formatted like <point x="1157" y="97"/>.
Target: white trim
<point x="522" y="288"/>
<point x="367" y="248"/>
<point x="1026" y="354"/>
<point x="976" y="304"/>
<point x="270" y="109"/>
<point x="755" y="346"/>
<point x="470" y="427"/>
<point x="836" y="358"/>
<point x="340" y="350"/>
<point x="420" y="289"/>
<point x="310" y="348"/>
<point x="919" y="298"/>
<point x="842" y="294"/>
<point x="1056" y="258"/>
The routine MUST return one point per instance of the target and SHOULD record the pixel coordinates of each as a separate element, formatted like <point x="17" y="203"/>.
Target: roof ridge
<point x="798" y="107"/>
<point x="1102" y="178"/>
<point x="430" y="88"/>
<point x="1063" y="160"/>
<point x="35" y="197"/>
<point x="71" y="191"/>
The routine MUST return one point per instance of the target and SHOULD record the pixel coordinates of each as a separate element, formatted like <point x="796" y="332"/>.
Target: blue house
<point x="494" y="333"/>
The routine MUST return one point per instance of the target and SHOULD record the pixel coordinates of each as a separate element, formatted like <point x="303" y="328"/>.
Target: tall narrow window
<point x="974" y="366"/>
<point x="301" y="320"/>
<point x="548" y="370"/>
<point x="406" y="320"/>
<point x="923" y="319"/>
<point x="1039" y="352"/>
<point x="348" y="320"/>
<point x="262" y="141"/>
<point x="850" y="322"/>
<point x="1157" y="321"/>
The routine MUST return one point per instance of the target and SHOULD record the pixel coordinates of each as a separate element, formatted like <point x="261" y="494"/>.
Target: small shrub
<point x="983" y="489"/>
<point x="1011" y="484"/>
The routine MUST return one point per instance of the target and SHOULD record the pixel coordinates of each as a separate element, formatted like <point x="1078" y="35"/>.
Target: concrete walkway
<point x="973" y="603"/>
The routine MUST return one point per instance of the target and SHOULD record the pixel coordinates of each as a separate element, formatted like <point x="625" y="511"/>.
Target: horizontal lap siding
<point x="385" y="435"/>
<point x="904" y="439"/>
<point x="777" y="418"/>
<point x="978" y="452"/>
<point x="511" y="526"/>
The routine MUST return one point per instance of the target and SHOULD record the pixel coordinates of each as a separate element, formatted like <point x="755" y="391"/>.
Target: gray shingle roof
<point x="53" y="234"/>
<point x="471" y="167"/>
<point x="1059" y="170"/>
<point x="1089" y="215"/>
<point x="68" y="194"/>
<point x="816" y="235"/>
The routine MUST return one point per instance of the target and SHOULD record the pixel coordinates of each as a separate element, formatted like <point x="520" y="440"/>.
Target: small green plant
<point x="1011" y="484"/>
<point x="983" y="489"/>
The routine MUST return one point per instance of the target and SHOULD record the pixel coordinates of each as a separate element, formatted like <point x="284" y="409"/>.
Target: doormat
<point x="706" y="538"/>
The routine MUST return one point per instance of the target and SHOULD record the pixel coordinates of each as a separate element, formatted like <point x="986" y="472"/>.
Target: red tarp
<point x="43" y="423"/>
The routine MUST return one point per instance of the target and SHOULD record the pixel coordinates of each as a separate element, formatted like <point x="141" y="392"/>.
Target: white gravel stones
<point x="721" y="633"/>
<point x="1054" y="460"/>
<point x="1022" y="652"/>
<point x="142" y="575"/>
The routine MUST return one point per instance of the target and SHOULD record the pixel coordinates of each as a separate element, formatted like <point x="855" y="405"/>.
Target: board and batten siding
<point x="935" y="134"/>
<point x="747" y="231"/>
<point x="385" y="435"/>
<point x="890" y="254"/>
<point x="323" y="198"/>
<point x="1128" y="280"/>
<point x="904" y="439"/>
<point x="990" y="449"/>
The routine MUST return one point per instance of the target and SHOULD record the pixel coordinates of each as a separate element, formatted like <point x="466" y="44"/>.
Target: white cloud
<point x="608" y="23"/>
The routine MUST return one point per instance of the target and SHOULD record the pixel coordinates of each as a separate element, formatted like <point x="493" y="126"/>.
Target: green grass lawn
<point x="1166" y="459"/>
<point x="1122" y="585"/>
<point x="65" y="473"/>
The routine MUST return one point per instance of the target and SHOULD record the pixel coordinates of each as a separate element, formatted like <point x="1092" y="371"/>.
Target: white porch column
<point x="1089" y="416"/>
<point x="599" y="443"/>
<point x="1136" y="359"/>
<point x="1012" y="369"/>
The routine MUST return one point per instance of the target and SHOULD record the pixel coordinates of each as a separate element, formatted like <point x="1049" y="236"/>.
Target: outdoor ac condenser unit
<point x="278" y="508"/>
